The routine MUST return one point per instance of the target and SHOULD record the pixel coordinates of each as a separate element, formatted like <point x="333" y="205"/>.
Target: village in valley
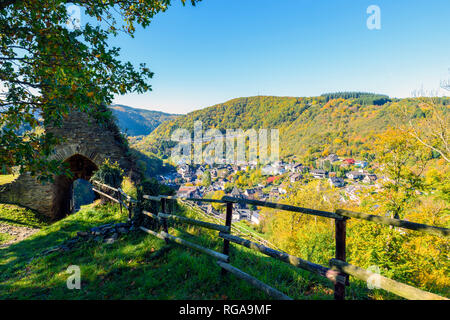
<point x="349" y="177"/>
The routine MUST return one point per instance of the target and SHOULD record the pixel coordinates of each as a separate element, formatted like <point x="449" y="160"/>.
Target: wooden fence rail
<point x="339" y="276"/>
<point x="253" y="281"/>
<point x="282" y="256"/>
<point x="437" y="231"/>
<point x="200" y="223"/>
<point x="165" y="236"/>
<point x="281" y="206"/>
<point x="340" y="214"/>
<point x="339" y="270"/>
<point x="400" y="289"/>
<point x="151" y="198"/>
<point x="105" y="195"/>
<point x="120" y="196"/>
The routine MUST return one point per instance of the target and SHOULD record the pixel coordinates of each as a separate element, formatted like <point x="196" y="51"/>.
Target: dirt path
<point x="18" y="233"/>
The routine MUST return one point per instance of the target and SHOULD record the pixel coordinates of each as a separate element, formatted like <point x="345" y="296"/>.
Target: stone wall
<point x="28" y="192"/>
<point x="83" y="138"/>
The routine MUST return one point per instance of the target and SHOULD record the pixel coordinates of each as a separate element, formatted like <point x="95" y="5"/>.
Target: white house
<point x="369" y="178"/>
<point x="183" y="169"/>
<point x="336" y="182"/>
<point x="255" y="217"/>
<point x="355" y="175"/>
<point x="319" y="174"/>
<point x="273" y="170"/>
<point x="333" y="158"/>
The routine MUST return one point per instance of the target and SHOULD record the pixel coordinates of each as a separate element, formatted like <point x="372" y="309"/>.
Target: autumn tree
<point x="206" y="179"/>
<point x="401" y="162"/>
<point x="428" y="122"/>
<point x="290" y="231"/>
<point x="48" y="70"/>
<point x="217" y="195"/>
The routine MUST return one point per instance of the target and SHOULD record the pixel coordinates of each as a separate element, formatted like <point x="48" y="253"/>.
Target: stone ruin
<point x="86" y="145"/>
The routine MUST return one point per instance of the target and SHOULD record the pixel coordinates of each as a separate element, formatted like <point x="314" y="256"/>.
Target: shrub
<point x="152" y="187"/>
<point x="129" y="188"/>
<point x="109" y="173"/>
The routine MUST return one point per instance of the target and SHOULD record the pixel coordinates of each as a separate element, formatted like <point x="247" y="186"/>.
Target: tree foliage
<point x="309" y="127"/>
<point x="428" y="122"/>
<point x="364" y="98"/>
<point x="206" y="179"/>
<point x="109" y="173"/>
<point x="402" y="162"/>
<point x="47" y="70"/>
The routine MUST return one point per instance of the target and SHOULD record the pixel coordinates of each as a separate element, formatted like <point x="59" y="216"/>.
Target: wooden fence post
<point x="119" y="198"/>
<point x="226" y="243"/>
<point x="130" y="210"/>
<point x="164" y="220"/>
<point x="172" y="206"/>
<point x="340" y="236"/>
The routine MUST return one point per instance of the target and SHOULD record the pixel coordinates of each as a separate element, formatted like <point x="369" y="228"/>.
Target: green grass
<point x="128" y="268"/>
<point x="247" y="226"/>
<point x="22" y="217"/>
<point x="6" y="178"/>
<point x="4" y="237"/>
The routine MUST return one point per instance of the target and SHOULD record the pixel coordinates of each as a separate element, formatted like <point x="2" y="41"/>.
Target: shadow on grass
<point x="21" y="216"/>
<point x="140" y="266"/>
<point x="16" y="222"/>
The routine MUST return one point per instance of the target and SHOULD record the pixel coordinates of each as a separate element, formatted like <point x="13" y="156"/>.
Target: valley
<point x="342" y="151"/>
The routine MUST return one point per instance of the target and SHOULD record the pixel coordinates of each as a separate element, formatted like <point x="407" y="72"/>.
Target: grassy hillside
<point x="136" y="122"/>
<point x="131" y="268"/>
<point x="307" y="125"/>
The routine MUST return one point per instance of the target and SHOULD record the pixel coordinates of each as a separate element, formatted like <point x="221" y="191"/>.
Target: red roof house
<point x="349" y="161"/>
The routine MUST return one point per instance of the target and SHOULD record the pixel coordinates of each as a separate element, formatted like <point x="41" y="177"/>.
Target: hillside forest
<point x="404" y="142"/>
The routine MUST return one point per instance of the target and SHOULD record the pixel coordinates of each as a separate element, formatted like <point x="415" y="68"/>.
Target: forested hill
<point x="244" y="113"/>
<point x="308" y="126"/>
<point x="137" y="122"/>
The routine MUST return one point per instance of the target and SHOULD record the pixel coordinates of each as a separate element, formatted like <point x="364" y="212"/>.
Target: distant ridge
<point x="363" y="98"/>
<point x="139" y="122"/>
<point x="308" y="125"/>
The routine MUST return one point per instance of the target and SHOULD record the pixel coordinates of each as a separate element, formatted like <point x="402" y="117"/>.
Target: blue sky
<point x="224" y="49"/>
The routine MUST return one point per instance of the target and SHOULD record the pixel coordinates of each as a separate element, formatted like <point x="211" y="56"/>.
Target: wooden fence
<point x="338" y="271"/>
<point x="235" y="229"/>
<point x="117" y="196"/>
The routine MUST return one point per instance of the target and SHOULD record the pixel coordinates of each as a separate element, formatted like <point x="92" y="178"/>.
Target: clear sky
<point x="224" y="49"/>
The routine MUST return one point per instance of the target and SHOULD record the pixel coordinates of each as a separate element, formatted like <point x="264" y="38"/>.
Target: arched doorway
<point x="82" y="194"/>
<point x="82" y="169"/>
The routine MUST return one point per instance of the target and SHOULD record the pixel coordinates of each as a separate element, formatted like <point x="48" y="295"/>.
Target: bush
<point x="110" y="174"/>
<point x="129" y="188"/>
<point x="152" y="187"/>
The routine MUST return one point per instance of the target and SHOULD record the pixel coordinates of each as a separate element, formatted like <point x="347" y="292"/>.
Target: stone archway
<point x="86" y="145"/>
<point x="81" y="168"/>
